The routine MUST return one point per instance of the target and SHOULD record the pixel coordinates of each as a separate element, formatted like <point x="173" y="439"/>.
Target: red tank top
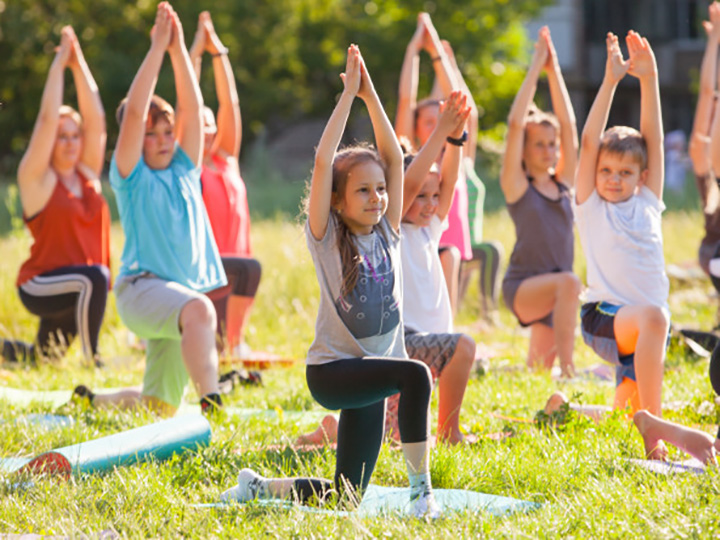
<point x="69" y="231"/>
<point x="225" y="199"/>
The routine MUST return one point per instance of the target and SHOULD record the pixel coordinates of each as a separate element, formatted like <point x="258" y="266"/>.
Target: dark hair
<point x="159" y="108"/>
<point x="343" y="163"/>
<point x="622" y="140"/>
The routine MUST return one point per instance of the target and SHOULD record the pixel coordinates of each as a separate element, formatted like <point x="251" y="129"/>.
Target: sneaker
<point x="425" y="506"/>
<point x="248" y="487"/>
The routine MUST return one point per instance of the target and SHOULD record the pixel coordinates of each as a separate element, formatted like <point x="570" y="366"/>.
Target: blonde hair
<point x="624" y="140"/>
<point x="66" y="111"/>
<point x="159" y="108"/>
<point x="542" y="118"/>
<point x="344" y="162"/>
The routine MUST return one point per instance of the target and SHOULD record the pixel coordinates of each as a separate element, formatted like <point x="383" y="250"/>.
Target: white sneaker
<point x="425" y="506"/>
<point x="247" y="489"/>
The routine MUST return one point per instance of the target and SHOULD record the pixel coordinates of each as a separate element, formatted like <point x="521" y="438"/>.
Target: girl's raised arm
<point x="35" y="163"/>
<point x="321" y="184"/>
<point x="512" y="176"/>
<point x="470" y="148"/>
<point x="91" y="110"/>
<point x="132" y="127"/>
<point x="408" y="88"/>
<point x="188" y="112"/>
<point x="453" y="111"/>
<point x="450" y="168"/>
<point x="444" y="73"/>
<point x="562" y="106"/>
<point x="387" y="145"/>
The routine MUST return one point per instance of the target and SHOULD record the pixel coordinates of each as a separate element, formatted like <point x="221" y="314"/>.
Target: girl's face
<point x="365" y="199"/>
<point x="427" y="119"/>
<point x="158" y="144"/>
<point x="540" y="152"/>
<point x="425" y="204"/>
<point x="68" y="144"/>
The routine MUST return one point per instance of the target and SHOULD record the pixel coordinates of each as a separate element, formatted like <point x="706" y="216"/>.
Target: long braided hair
<point x="344" y="162"/>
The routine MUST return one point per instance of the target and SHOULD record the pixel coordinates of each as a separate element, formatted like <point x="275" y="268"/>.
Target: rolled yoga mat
<point x="155" y="441"/>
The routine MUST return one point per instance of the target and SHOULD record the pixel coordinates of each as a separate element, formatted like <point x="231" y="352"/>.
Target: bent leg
<point x="197" y="326"/>
<point x="643" y="330"/>
<point x="539" y="296"/>
<point x="451" y="385"/>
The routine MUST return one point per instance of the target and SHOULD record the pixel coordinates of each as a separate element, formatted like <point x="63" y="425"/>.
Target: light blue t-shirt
<point x="167" y="231"/>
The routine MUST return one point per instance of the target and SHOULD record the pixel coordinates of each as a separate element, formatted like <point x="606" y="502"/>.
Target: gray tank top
<point x="544" y="232"/>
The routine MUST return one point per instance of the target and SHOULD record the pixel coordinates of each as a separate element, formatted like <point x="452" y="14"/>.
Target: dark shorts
<point x="509" y="290"/>
<point x="598" y="331"/>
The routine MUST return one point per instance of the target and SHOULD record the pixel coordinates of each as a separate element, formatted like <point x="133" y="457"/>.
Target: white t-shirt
<point x="623" y="246"/>
<point x="426" y="303"/>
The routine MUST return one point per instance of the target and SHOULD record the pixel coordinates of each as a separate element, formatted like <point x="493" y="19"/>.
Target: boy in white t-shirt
<point x="619" y="189"/>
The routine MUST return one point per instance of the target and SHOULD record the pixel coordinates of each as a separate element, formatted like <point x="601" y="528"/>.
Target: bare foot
<point x="452" y="438"/>
<point x="555" y="402"/>
<point x="326" y="432"/>
<point x="651" y="432"/>
<point x="700" y="446"/>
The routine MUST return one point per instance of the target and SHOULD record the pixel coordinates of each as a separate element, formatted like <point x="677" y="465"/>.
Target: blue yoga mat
<point x="381" y="500"/>
<point x="669" y="467"/>
<point x="159" y="441"/>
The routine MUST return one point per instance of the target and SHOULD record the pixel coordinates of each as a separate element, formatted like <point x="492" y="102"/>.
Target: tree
<point x="286" y="54"/>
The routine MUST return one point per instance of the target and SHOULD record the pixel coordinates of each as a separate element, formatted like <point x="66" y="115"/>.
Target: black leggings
<point x="243" y="280"/>
<point x="358" y="387"/>
<point x="70" y="301"/>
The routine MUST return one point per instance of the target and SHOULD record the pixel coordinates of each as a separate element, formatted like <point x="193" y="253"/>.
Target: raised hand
<point x="199" y="43"/>
<point x="352" y="76"/>
<point x="162" y="30"/>
<point x="551" y="54"/>
<point x="454" y="112"/>
<point x="177" y="39"/>
<point x="64" y="51"/>
<point x="641" y="57"/>
<point x="712" y="27"/>
<point x="616" y="66"/>
<point x="367" y="89"/>
<point x="541" y="55"/>
<point x="418" y="40"/>
<point x="430" y="35"/>
<point x="213" y="45"/>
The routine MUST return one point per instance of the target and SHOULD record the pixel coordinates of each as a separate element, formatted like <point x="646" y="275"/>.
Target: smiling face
<point x="425" y="204"/>
<point x="158" y="143"/>
<point x="68" y="144"/>
<point x="540" y="151"/>
<point x="364" y="200"/>
<point x="618" y="176"/>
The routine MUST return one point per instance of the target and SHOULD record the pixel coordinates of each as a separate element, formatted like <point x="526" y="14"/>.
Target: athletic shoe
<point x="425" y="506"/>
<point x="248" y="487"/>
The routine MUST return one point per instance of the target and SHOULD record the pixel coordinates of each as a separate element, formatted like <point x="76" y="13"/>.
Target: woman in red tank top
<point x="65" y="280"/>
<point x="224" y="193"/>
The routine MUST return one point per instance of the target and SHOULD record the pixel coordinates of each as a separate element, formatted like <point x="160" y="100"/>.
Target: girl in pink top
<point x="224" y="192"/>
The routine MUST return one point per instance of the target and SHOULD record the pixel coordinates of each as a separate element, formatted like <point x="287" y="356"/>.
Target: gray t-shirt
<point x="367" y="321"/>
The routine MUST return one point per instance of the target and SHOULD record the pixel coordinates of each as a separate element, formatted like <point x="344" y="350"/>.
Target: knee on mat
<point x="199" y="311"/>
<point x="655" y="319"/>
<point x="99" y="276"/>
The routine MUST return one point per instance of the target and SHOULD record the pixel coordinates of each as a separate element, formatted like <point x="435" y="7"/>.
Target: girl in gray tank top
<point x="537" y="178"/>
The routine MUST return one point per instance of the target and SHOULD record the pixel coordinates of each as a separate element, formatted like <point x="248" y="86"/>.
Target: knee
<point x="419" y="376"/>
<point x="569" y="285"/>
<point x="99" y="276"/>
<point x="654" y="319"/>
<point x="450" y="256"/>
<point x="465" y="351"/>
<point x="198" y="312"/>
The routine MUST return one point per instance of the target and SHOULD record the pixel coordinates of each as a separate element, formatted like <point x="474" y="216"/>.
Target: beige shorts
<point x="150" y="307"/>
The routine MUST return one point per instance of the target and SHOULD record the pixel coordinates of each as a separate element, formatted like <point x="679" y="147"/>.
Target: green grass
<point x="578" y="472"/>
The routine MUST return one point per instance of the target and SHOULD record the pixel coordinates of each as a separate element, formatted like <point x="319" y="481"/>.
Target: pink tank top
<point x="225" y="199"/>
<point x="458" y="232"/>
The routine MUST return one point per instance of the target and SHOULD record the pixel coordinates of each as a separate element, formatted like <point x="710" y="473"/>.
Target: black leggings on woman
<point x="70" y="301"/>
<point x="359" y="386"/>
<point x="243" y="276"/>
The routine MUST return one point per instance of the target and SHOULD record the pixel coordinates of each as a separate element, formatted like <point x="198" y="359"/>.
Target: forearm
<point x="334" y="129"/>
<point x="229" y="119"/>
<point x="708" y="68"/>
<point x="651" y="125"/>
<point x="407" y="92"/>
<point x="143" y="86"/>
<point x="524" y="97"/>
<point x="89" y="102"/>
<point x="189" y="98"/>
<point x="387" y="143"/>
<point x="449" y="175"/>
<point x="52" y="96"/>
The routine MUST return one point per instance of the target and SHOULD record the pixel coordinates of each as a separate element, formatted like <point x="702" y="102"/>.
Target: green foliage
<point x="286" y="54"/>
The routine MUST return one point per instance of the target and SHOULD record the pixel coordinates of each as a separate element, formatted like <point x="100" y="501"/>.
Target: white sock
<point x="419" y="484"/>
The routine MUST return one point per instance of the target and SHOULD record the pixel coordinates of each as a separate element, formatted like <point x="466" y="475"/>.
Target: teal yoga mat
<point x="669" y="467"/>
<point x="159" y="441"/>
<point x="380" y="500"/>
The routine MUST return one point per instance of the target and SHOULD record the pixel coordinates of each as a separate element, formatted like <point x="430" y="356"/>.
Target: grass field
<point x="578" y="471"/>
